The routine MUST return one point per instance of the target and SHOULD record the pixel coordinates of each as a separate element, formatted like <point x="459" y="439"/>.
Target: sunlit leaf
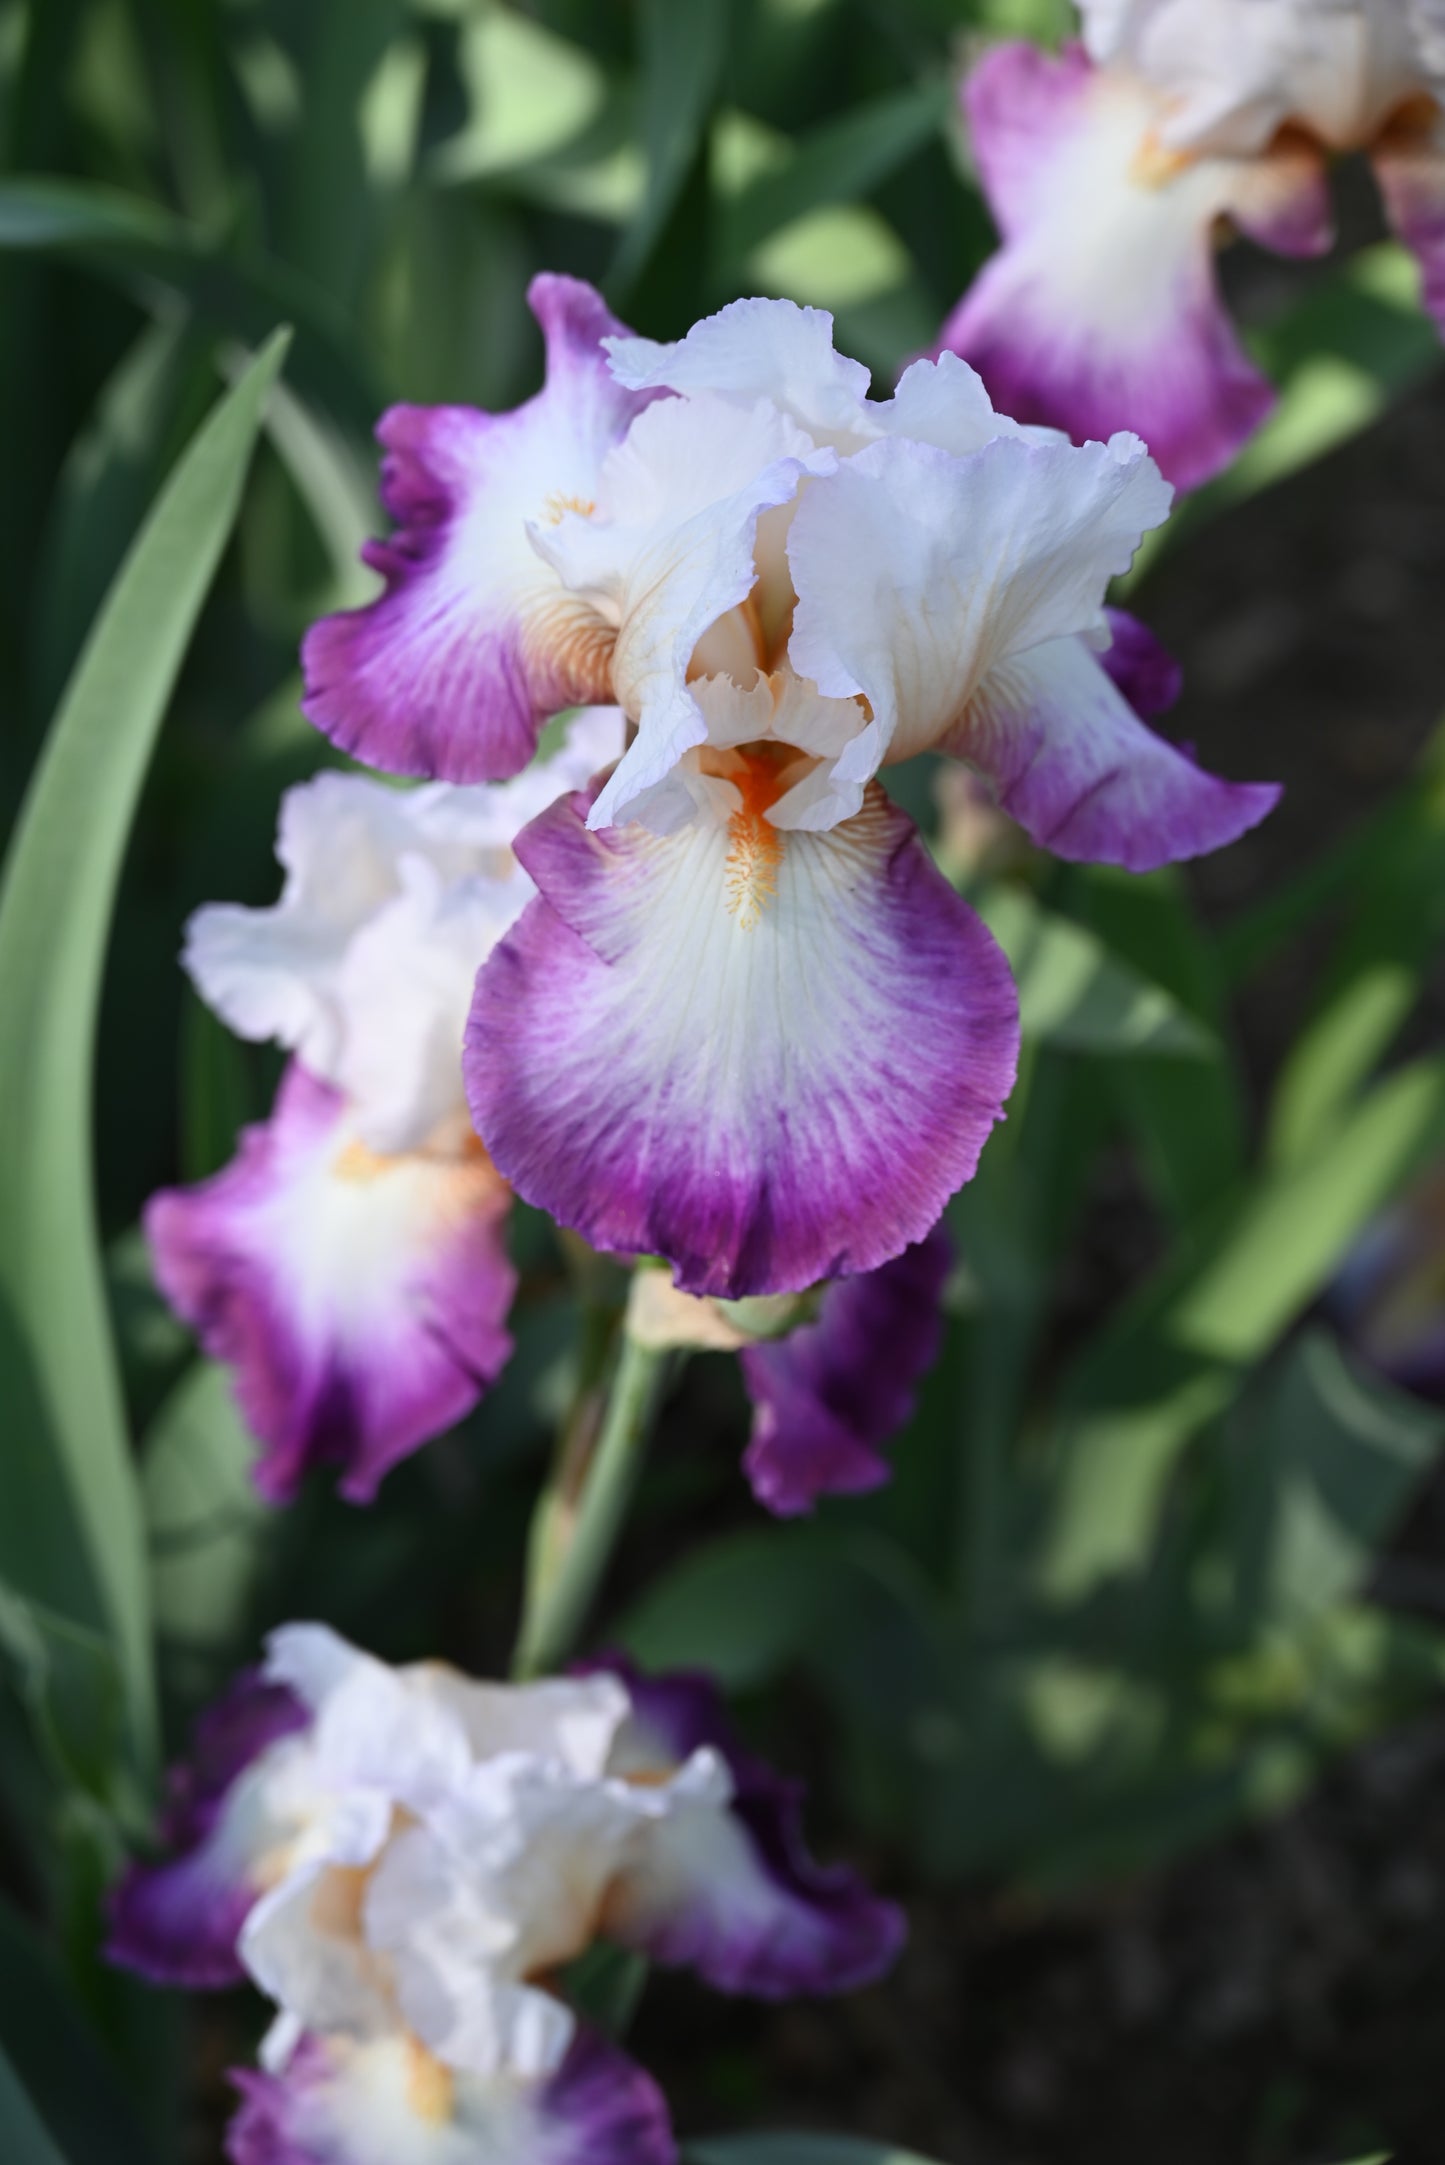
<point x="1077" y="996"/>
<point x="836" y="163"/>
<point x="682" y="53"/>
<point x="55" y="910"/>
<point x="1322" y="1472"/>
<point x="1175" y="1359"/>
<point x="205" y="1523"/>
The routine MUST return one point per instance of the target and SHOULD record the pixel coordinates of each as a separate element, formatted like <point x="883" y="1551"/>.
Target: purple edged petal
<point x="1067" y="756"/>
<point x="768" y="1056"/>
<point x="1410" y="168"/>
<point x="473" y="644"/>
<point x="390" y="2103"/>
<point x="827" y="1396"/>
<point x="1144" y="670"/>
<point x="735" y="1894"/>
<point x="361" y="1301"/>
<point x="177" y="1922"/>
<point x="1100" y="310"/>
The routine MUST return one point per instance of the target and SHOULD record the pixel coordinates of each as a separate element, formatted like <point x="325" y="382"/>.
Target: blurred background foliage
<point x="1127" y="1586"/>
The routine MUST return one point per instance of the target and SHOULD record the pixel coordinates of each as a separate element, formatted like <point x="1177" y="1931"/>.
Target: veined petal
<point x="919" y="573"/>
<point x="770" y="1057"/>
<point x="674" y="553"/>
<point x="1100" y="311"/>
<point x="453" y="670"/>
<point x="1067" y="756"/>
<point x="361" y="1301"/>
<point x="386" y="2101"/>
<point x="825" y="1397"/>
<point x="177" y="1921"/>
<point x="727" y="1888"/>
<point x="752" y="349"/>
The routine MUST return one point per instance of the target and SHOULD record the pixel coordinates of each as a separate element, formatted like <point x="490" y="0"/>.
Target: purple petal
<point x="770" y="1057"/>
<point x="1410" y="168"/>
<point x="1143" y="669"/>
<point x="752" y="1912"/>
<point x="1070" y="760"/>
<point x="1100" y="310"/>
<point x="387" y="2103"/>
<point x="361" y="1301"/>
<point x="474" y="643"/>
<point x="177" y="1923"/>
<point x="827" y="1396"/>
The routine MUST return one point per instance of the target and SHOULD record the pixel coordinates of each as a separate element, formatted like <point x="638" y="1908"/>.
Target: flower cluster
<point x="719" y="1004"/>
<point x="1112" y="167"/>
<point x="406" y="1861"/>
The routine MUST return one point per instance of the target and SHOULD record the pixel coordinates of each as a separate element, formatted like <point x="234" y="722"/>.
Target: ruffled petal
<point x="731" y="1891"/>
<point x="674" y="553"/>
<point x="177" y="1922"/>
<point x="827" y="1396"/>
<point x="1232" y="73"/>
<point x="386" y="2101"/>
<point x="1101" y="311"/>
<point x="752" y="349"/>
<point x="919" y="573"/>
<point x="453" y="670"/>
<point x="1067" y="757"/>
<point x="361" y="1301"/>
<point x="770" y="1057"/>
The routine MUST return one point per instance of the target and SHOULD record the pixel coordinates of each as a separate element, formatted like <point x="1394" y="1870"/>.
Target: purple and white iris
<point x="403" y="1860"/>
<point x="350" y="1263"/>
<point x="1112" y="167"/>
<point x="746" y="1025"/>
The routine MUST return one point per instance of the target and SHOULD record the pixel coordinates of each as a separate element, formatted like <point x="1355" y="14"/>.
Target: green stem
<point x="582" y="1509"/>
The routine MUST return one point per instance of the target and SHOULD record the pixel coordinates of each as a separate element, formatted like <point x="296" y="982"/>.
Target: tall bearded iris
<point x="747" y="1025"/>
<point x="1112" y="168"/>
<point x="350" y="1264"/>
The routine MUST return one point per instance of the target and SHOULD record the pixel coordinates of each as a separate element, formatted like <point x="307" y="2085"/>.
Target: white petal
<point x="675" y="552"/>
<point x="918" y="572"/>
<point x="755" y="349"/>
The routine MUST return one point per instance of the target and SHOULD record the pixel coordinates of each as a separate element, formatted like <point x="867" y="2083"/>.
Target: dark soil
<point x="1277" y="2000"/>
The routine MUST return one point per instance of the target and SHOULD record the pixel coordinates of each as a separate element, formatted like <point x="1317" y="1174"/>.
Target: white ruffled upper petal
<point x="674" y="553"/>
<point x="919" y="572"/>
<point x="754" y="349"/>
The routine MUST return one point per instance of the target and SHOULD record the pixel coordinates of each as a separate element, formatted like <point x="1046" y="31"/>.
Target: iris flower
<point x="1113" y="168"/>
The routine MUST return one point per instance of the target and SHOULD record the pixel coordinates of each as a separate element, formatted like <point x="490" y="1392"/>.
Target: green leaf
<point x="836" y="163"/>
<point x="55" y="912"/>
<point x="784" y="2148"/>
<point x="205" y="1522"/>
<point x="683" y="50"/>
<point x="1394" y="935"/>
<point x="1321" y="1475"/>
<point x="69" y="1683"/>
<point x="241" y="295"/>
<point x="146" y="410"/>
<point x="1075" y="995"/>
<point x="24" y="2137"/>
<point x="54" y="2052"/>
<point x="1177" y="1356"/>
